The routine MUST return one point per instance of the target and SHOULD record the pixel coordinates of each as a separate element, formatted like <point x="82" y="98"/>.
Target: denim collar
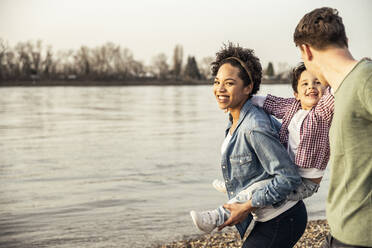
<point x="243" y="112"/>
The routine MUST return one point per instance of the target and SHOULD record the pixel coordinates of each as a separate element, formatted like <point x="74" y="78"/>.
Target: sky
<point x="150" y="27"/>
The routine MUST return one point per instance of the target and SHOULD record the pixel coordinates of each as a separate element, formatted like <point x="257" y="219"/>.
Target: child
<point x="306" y="120"/>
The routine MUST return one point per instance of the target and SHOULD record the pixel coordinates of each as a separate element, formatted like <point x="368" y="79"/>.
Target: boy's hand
<point x="238" y="213"/>
<point x="305" y="190"/>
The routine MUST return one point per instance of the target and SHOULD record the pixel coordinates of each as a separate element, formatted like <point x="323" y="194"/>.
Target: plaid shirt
<point x="313" y="150"/>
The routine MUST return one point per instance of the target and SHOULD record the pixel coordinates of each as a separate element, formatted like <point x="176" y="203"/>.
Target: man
<point x="321" y="37"/>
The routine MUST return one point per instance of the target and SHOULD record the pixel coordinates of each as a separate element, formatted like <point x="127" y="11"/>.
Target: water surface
<point x="110" y="166"/>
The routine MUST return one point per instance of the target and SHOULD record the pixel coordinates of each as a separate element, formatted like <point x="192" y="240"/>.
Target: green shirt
<point x="349" y="203"/>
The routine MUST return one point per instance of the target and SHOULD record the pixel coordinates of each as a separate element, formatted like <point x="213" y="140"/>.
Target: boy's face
<point x="309" y="90"/>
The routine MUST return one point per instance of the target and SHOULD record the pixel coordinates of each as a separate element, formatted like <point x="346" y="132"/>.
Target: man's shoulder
<point x="357" y="79"/>
<point x="363" y="80"/>
<point x="364" y="70"/>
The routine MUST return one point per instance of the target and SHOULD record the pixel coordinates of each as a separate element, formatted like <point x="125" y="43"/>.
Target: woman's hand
<point x="238" y="213"/>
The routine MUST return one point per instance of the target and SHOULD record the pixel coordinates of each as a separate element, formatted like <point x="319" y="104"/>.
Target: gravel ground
<point x="312" y="238"/>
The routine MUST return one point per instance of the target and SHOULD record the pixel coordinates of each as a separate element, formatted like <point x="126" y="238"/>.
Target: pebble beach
<point x="315" y="233"/>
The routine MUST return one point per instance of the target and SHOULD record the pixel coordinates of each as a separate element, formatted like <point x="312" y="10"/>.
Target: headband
<point x="243" y="65"/>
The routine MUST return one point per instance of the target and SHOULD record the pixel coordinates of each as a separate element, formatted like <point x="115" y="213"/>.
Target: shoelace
<point x="207" y="218"/>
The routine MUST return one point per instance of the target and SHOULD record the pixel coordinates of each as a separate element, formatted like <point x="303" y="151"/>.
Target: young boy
<point x="306" y="120"/>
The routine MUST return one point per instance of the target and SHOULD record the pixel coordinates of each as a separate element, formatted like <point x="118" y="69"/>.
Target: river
<point x="111" y="166"/>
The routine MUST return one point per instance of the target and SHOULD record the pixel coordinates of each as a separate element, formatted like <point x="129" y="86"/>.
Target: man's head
<point x="318" y="31"/>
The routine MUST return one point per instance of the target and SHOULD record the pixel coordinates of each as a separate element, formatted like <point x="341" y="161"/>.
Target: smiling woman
<point x="256" y="168"/>
<point x="229" y="88"/>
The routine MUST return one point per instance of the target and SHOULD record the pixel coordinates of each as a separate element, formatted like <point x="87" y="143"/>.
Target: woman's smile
<point x="223" y="98"/>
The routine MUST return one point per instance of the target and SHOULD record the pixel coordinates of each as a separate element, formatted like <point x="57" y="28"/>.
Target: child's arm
<point x="277" y="106"/>
<point x="326" y="105"/>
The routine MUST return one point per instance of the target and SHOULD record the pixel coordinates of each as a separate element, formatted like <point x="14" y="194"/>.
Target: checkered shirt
<point x="313" y="150"/>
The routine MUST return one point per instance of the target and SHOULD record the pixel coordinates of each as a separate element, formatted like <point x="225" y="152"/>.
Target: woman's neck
<point x="235" y="113"/>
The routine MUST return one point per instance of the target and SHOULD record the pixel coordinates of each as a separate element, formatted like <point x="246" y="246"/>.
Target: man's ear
<point x="306" y="52"/>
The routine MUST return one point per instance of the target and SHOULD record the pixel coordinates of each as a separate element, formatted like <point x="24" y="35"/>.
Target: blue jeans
<point x="281" y="232"/>
<point x="331" y="242"/>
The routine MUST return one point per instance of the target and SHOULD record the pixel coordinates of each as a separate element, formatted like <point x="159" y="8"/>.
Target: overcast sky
<point x="150" y="27"/>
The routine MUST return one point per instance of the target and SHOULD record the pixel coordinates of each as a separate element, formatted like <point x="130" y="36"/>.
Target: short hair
<point x="320" y="29"/>
<point x="251" y="62"/>
<point x="296" y="74"/>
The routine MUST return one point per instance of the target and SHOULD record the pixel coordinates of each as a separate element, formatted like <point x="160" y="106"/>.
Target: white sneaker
<point x="219" y="185"/>
<point x="205" y="221"/>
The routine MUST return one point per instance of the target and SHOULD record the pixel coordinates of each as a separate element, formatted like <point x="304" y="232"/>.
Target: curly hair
<point x="296" y="74"/>
<point x="321" y="28"/>
<point x="251" y="62"/>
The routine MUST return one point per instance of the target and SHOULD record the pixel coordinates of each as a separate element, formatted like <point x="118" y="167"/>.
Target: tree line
<point x="109" y="62"/>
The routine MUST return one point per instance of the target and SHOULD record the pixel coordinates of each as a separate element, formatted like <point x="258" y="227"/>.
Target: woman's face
<point x="229" y="89"/>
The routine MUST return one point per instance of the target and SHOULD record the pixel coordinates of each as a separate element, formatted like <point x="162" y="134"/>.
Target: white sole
<point x="194" y="216"/>
<point x="217" y="187"/>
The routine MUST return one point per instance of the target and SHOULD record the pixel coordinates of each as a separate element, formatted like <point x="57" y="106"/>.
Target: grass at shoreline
<point x="315" y="233"/>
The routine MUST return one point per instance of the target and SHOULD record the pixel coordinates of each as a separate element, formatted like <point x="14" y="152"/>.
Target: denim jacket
<point x="254" y="153"/>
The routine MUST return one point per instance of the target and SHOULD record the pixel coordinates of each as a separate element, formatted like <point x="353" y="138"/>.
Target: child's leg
<point x="306" y="189"/>
<point x="224" y="214"/>
<point x="207" y="221"/>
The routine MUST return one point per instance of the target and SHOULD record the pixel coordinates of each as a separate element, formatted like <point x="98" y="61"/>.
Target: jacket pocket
<point x="243" y="168"/>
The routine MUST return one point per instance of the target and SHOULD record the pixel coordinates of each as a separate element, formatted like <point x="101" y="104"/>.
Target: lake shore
<point x="315" y="233"/>
<point x="107" y="83"/>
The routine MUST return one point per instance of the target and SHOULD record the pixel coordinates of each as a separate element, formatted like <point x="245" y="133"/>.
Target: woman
<point x="252" y="153"/>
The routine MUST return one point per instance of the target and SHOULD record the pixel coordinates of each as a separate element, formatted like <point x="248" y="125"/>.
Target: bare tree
<point x="177" y="60"/>
<point x="35" y="52"/>
<point x="137" y="69"/>
<point x="48" y="63"/>
<point x="283" y="67"/>
<point x="3" y="50"/>
<point x="65" y="63"/>
<point x="123" y="63"/>
<point x="24" y="59"/>
<point x="205" y="67"/>
<point x="11" y="66"/>
<point x="31" y="60"/>
<point x="159" y="66"/>
<point x="83" y="61"/>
